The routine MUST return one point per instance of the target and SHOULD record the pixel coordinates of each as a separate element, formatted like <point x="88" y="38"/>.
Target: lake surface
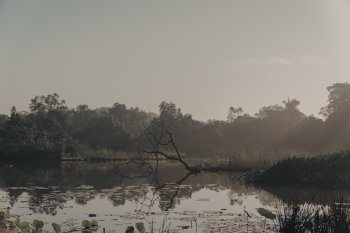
<point x="119" y="196"/>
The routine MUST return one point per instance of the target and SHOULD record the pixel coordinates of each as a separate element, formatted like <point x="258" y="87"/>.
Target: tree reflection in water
<point x="50" y="185"/>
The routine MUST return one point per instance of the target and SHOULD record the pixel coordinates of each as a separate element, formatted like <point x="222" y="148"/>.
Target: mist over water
<point x="175" y="117"/>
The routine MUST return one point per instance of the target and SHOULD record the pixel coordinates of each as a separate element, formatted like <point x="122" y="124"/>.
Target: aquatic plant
<point x="94" y="223"/>
<point x="2" y="215"/>
<point x="311" y="218"/>
<point x="130" y="229"/>
<point x="89" y="226"/>
<point x="140" y="227"/>
<point x="56" y="227"/>
<point x="267" y="214"/>
<point x="24" y="226"/>
<point x="38" y="224"/>
<point x="165" y="228"/>
<point x="17" y="222"/>
<point x="86" y="224"/>
<point x="248" y="216"/>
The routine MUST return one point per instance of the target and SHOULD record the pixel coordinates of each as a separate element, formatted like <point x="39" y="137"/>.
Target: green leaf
<point x="140" y="227"/>
<point x="38" y="224"/>
<point x="56" y="228"/>
<point x="86" y="224"/>
<point x="266" y="213"/>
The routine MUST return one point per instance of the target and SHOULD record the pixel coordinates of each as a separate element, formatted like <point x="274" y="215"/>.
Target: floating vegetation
<point x="266" y="213"/>
<point x="140" y="227"/>
<point x="16" y="225"/>
<point x="38" y="224"/>
<point x="56" y="227"/>
<point x="220" y="220"/>
<point x="130" y="229"/>
<point x="134" y="204"/>
<point x="24" y="226"/>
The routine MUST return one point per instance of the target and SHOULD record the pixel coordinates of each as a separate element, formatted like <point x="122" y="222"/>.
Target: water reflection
<point x="294" y="195"/>
<point x="54" y="183"/>
<point x="50" y="185"/>
<point x="69" y="191"/>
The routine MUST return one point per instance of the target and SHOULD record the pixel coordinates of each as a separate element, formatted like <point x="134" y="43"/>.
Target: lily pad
<point x="266" y="213"/>
<point x="140" y="227"/>
<point x="56" y="228"/>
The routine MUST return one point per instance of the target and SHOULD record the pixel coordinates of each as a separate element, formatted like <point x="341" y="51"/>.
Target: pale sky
<point x="203" y="55"/>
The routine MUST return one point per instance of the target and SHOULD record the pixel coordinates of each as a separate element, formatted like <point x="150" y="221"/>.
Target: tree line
<point x="50" y="129"/>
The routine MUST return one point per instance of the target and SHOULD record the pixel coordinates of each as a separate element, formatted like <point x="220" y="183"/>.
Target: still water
<point x="117" y="197"/>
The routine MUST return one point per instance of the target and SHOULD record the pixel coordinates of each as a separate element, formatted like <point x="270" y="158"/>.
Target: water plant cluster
<point x="291" y="219"/>
<point x="8" y="224"/>
<point x="13" y="223"/>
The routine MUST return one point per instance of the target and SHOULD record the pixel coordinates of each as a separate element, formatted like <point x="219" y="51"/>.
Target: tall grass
<point x="314" y="219"/>
<point x="246" y="160"/>
<point x="90" y="154"/>
<point x="164" y="228"/>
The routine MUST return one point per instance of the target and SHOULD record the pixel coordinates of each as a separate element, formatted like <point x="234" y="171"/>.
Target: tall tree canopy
<point x="51" y="127"/>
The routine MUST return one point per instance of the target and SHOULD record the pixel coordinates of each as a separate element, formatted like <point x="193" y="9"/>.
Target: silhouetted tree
<point x="233" y="113"/>
<point x="338" y="100"/>
<point x="50" y="127"/>
<point x="50" y="102"/>
<point x="337" y="123"/>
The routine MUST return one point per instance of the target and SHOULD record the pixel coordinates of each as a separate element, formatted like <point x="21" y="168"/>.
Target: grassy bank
<point x="247" y="161"/>
<point x="329" y="171"/>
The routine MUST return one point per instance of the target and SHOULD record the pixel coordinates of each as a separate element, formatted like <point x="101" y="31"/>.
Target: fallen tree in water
<point x="164" y="145"/>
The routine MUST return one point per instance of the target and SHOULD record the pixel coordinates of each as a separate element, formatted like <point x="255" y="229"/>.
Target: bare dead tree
<point x="162" y="144"/>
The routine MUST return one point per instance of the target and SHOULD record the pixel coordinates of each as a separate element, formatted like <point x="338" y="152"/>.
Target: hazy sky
<point x="203" y="55"/>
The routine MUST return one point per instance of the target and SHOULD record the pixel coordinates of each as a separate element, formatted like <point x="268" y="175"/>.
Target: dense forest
<point x="51" y="129"/>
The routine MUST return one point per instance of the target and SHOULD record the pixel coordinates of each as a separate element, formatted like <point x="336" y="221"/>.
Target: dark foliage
<point x="331" y="171"/>
<point x="53" y="129"/>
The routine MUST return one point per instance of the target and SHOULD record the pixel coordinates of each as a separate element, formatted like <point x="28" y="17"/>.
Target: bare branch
<point x="158" y="141"/>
